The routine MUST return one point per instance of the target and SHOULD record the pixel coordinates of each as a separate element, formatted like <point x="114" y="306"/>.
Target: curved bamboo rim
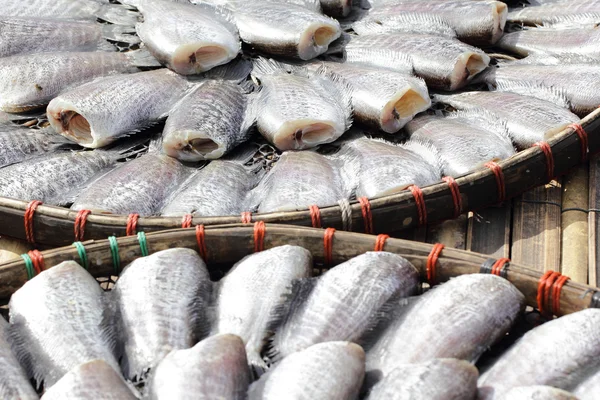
<point x="225" y="245"/>
<point x="521" y="172"/>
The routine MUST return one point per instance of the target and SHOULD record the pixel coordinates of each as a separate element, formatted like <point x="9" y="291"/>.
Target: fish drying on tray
<point x="248" y="298"/>
<point x="410" y="22"/>
<point x="538" y="392"/>
<point x="18" y="143"/>
<point x="312" y="5"/>
<point x="14" y="383"/>
<point x="580" y="13"/>
<point x="581" y="41"/>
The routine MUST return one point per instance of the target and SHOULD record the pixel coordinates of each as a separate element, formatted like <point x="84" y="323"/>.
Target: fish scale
<point x="570" y="13"/>
<point x="539" y="392"/>
<point x="18" y="144"/>
<point x="555" y="41"/>
<point x="14" y="383"/>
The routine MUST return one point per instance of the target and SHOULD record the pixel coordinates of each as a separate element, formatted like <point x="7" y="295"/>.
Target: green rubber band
<point x="28" y="266"/>
<point x="114" y="251"/>
<point x="143" y="243"/>
<point x="82" y="254"/>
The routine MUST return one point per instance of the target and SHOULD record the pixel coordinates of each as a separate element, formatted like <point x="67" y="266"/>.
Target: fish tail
<point x="237" y="70"/>
<point x="257" y="364"/>
<point x="120" y="33"/>
<point x="143" y="58"/>
<point x="118" y="14"/>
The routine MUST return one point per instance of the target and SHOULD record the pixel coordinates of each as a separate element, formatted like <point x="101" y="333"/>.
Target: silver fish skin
<point x="343" y="303"/>
<point x="553" y="40"/>
<point x="241" y="312"/>
<point x="313" y="5"/>
<point x="91" y="381"/>
<point x="336" y="8"/>
<point x="461" y="144"/>
<point x="159" y="305"/>
<point x="445" y="63"/>
<point x="14" y="383"/>
<point x="539" y="392"/>
<point x="575" y="13"/>
<point x="588" y="389"/>
<point x="471" y="312"/>
<point x="283" y="29"/>
<point x="30" y="81"/>
<point x="438" y="379"/>
<point x="569" y="346"/>
<point x="58" y="321"/>
<point x="299" y="110"/>
<point x="215" y="368"/>
<point x="410" y="22"/>
<point x="335" y="370"/>
<point x="386" y="168"/>
<point x="528" y="119"/>
<point x="300" y="179"/>
<point x="18" y="144"/>
<point x="381" y="98"/>
<point x="546" y="81"/>
<point x="187" y="38"/>
<point x="97" y="113"/>
<point x="140" y="186"/>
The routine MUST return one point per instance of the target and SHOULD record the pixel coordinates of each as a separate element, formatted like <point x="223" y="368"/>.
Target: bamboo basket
<point x="221" y="246"/>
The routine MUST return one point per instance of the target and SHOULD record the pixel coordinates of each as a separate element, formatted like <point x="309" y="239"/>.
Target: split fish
<point x="585" y="42"/>
<point x="589" y="388"/>
<point x="18" y="144"/>
<point x="563" y="13"/>
<point x="14" y="383"/>
<point x="539" y="392"/>
<point x="409" y="22"/>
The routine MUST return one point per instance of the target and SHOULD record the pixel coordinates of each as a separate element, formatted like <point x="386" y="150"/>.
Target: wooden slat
<point x="574" y="260"/>
<point x="594" y="221"/>
<point x="488" y="231"/>
<point x="451" y="233"/>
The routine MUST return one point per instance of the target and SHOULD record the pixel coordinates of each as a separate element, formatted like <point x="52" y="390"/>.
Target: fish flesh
<point x="253" y="291"/>
<point x="344" y="302"/>
<point x="569" y="344"/>
<point x="343" y="361"/>
<point x="459" y="319"/>
<point x="383" y="99"/>
<point x="438" y="379"/>
<point x="187" y="38"/>
<point x="539" y="392"/>
<point x="386" y="168"/>
<point x="585" y="42"/>
<point x="528" y="119"/>
<point x="58" y="321"/>
<point x="140" y="186"/>
<point x="300" y="179"/>
<point x="91" y="381"/>
<point x="97" y="113"/>
<point x="159" y="306"/>
<point x="444" y="63"/>
<point x="18" y="144"/>
<point x="215" y="368"/>
<point x="14" y="383"/>
<point x="299" y="110"/>
<point x="30" y="81"/>
<point x="336" y="8"/>
<point x="580" y="13"/>
<point x="42" y="35"/>
<point x="462" y="145"/>
<point x="409" y="22"/>
<point x="549" y="82"/>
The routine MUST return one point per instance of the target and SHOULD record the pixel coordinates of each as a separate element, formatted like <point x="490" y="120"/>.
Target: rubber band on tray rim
<point x="380" y="241"/>
<point x="499" y="175"/>
<point x="550" y="283"/>
<point x="365" y="208"/>
<point x="246" y="217"/>
<point x="28" y="219"/>
<point x="547" y="150"/>
<point x="200" y="239"/>
<point x="141" y="236"/>
<point x="455" y="192"/>
<point x="82" y="254"/>
<point x="186" y="221"/>
<point x="28" y="266"/>
<point x="79" y="225"/>
<point x="315" y="216"/>
<point x="259" y="236"/>
<point x="114" y="252"/>
<point x="583" y="139"/>
<point x="432" y="260"/>
<point x="328" y="245"/>
<point x="420" y="203"/>
<point x="500" y="267"/>
<point x="132" y="220"/>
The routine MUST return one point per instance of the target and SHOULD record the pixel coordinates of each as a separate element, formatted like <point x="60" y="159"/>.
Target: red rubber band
<point x="259" y="236"/>
<point x="315" y="216"/>
<point x="420" y="202"/>
<point x="365" y="207"/>
<point x="186" y="221"/>
<point x="79" y="226"/>
<point x="548" y="289"/>
<point x="455" y="192"/>
<point x="246" y="217"/>
<point x="547" y="150"/>
<point x="132" y="220"/>
<point x="498" y="265"/>
<point x="28" y="219"/>
<point x="380" y="241"/>
<point x="38" y="261"/>
<point x="497" y="170"/>
<point x="556" y="293"/>
<point x="540" y="291"/>
<point x="328" y="244"/>
<point x="583" y="139"/>
<point x="200" y="241"/>
<point x="432" y="262"/>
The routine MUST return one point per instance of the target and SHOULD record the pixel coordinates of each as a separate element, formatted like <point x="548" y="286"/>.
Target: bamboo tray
<point x="221" y="246"/>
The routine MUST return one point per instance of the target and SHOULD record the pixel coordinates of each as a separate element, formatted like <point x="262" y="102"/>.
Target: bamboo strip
<point x="594" y="222"/>
<point x="575" y="196"/>
<point x="488" y="231"/>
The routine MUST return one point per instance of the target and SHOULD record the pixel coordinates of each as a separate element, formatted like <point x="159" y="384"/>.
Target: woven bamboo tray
<point x="221" y="246"/>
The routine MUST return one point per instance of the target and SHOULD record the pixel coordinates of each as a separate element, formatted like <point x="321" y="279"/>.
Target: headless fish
<point x="570" y="344"/>
<point x="344" y="363"/>
<point x="585" y="42"/>
<point x="409" y="22"/>
<point x="539" y="392"/>
<point x="159" y="306"/>
<point x="215" y="368"/>
<point x="249" y="296"/>
<point x="18" y="144"/>
<point x="58" y="321"/>
<point x="562" y="13"/>
<point x="588" y="389"/>
<point x="14" y="383"/>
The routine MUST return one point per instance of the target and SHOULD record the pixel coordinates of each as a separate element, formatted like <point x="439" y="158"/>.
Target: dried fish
<point x="19" y="144"/>
<point x="409" y="22"/>
<point x="585" y="42"/>
<point x="14" y="383"/>
<point x="539" y="392"/>
<point x="564" y="13"/>
<point x="588" y="389"/>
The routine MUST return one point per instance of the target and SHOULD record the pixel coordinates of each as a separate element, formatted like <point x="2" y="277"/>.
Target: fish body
<point x="539" y="392"/>
<point x="187" y="38"/>
<point x="585" y="42"/>
<point x="91" y="381"/>
<point x="438" y="379"/>
<point x="459" y="319"/>
<point x="343" y="362"/>
<point x="588" y="389"/>
<point x="527" y="119"/>
<point x="461" y="145"/>
<point x="140" y="186"/>
<point x="14" y="383"/>
<point x="58" y="322"/>
<point x="344" y="301"/>
<point x="215" y="368"/>
<point x="99" y="112"/>
<point x="409" y="22"/>
<point x="18" y="144"/>
<point x="562" y="13"/>
<point x="160" y="303"/>
<point x="567" y="346"/>
<point x="240" y="311"/>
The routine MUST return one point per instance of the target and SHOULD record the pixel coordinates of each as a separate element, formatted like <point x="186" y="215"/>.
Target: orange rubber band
<point x="259" y="236"/>
<point x="315" y="216"/>
<point x="200" y="241"/>
<point x="132" y="220"/>
<point x="583" y="139"/>
<point x="432" y="260"/>
<point x="365" y="207"/>
<point x="38" y="260"/>
<point x="497" y="170"/>
<point x="420" y="202"/>
<point x="455" y="192"/>
<point x="540" y="291"/>
<point x="186" y="221"/>
<point x="328" y="245"/>
<point x="547" y="150"/>
<point x="380" y="241"/>
<point x="498" y="265"/>
<point x="246" y="217"/>
<point x="28" y="219"/>
<point x="79" y="227"/>
<point x="556" y="293"/>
